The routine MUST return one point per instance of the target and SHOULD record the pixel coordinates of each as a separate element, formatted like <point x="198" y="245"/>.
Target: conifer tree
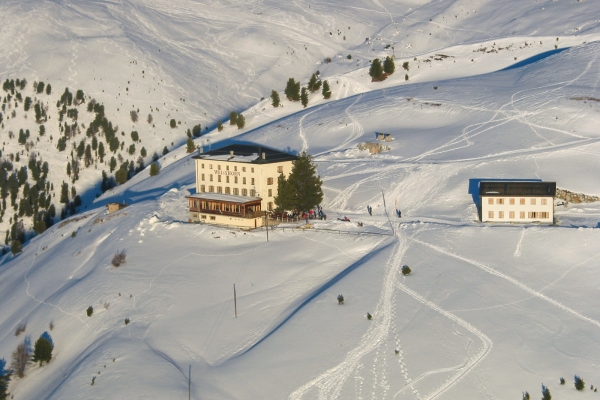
<point x="275" y="98"/>
<point x="143" y="152"/>
<point x="42" y="351"/>
<point x="121" y="176"/>
<point x="190" y="147"/>
<point x="64" y="193"/>
<point x="292" y="90"/>
<point x="154" y="169"/>
<point x="314" y="83"/>
<point x="101" y="152"/>
<point x="240" y="121"/>
<point x="219" y="126"/>
<point x="173" y="123"/>
<point x="326" y="90"/>
<point x="197" y="130"/>
<point x="388" y="66"/>
<point x="16" y="247"/>
<point x="232" y="118"/>
<point x="165" y="151"/>
<point x="113" y="164"/>
<point x="48" y="89"/>
<point x="304" y="97"/>
<point x="546" y="393"/>
<point x="376" y="70"/>
<point x="4" y="380"/>
<point x="306" y="183"/>
<point x="285" y="199"/>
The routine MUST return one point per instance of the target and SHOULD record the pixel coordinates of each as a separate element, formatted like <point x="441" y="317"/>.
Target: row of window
<point x="511" y="201"/>
<point x="530" y="214"/>
<point x="235" y="168"/>
<point x="234" y="191"/>
<point x="235" y="179"/>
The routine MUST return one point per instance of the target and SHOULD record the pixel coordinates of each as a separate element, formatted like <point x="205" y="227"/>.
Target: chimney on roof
<point x="264" y="156"/>
<point x="231" y="153"/>
<point x="200" y="150"/>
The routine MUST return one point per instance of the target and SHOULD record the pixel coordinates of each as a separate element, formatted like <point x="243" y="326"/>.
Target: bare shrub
<point x="119" y="258"/>
<point x="149" y="119"/>
<point x="20" y="329"/>
<point x="20" y="357"/>
<point x="134" y="115"/>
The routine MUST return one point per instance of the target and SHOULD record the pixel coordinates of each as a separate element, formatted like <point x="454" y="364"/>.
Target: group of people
<point x="314" y="214"/>
<point x="370" y="211"/>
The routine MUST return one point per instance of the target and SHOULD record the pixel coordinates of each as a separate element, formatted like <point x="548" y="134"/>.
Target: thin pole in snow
<point x="190" y="383"/>
<point x="234" y="300"/>
<point x="267" y="224"/>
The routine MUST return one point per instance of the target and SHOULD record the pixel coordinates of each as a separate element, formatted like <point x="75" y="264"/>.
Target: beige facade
<point x="241" y="178"/>
<point x="517" y="209"/>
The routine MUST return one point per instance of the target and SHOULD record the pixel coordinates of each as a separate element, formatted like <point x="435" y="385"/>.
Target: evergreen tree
<point x="40" y="87"/>
<point x="16" y="247"/>
<point x="579" y="383"/>
<point x="165" y="151"/>
<point x="326" y="90"/>
<point x="68" y="168"/>
<point x="135" y="136"/>
<point x="101" y="152"/>
<point x="314" y="83"/>
<point x="121" y="176"/>
<point x="48" y="89"/>
<point x="42" y="350"/>
<point x="292" y="90"/>
<point x="173" y="123"/>
<point x="143" y="152"/>
<point x="388" y="66"/>
<point x="275" y="98"/>
<point x="190" y="147"/>
<point x="219" y="126"/>
<point x="27" y="103"/>
<point x="546" y="393"/>
<point x="376" y="70"/>
<point x="4" y="380"/>
<point x="154" y="169"/>
<point x="241" y="121"/>
<point x="197" y="130"/>
<point x="526" y="396"/>
<point x="113" y="164"/>
<point x="405" y="65"/>
<point x="306" y="183"/>
<point x="286" y="197"/>
<point x="42" y="130"/>
<point x="304" y="97"/>
<point x="94" y="143"/>
<point x="131" y="149"/>
<point x="232" y="118"/>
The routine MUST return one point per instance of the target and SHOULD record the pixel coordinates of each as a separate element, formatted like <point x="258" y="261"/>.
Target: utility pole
<point x="190" y="382"/>
<point x="267" y="224"/>
<point x="234" y="300"/>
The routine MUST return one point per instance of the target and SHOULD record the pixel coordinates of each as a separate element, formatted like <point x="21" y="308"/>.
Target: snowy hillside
<point x="489" y="311"/>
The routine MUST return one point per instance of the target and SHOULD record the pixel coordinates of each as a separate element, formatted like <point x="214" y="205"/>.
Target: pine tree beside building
<point x="190" y="147"/>
<point x="241" y="121"/>
<point x="232" y="118"/>
<point x="286" y="197"/>
<point x="306" y="183"/>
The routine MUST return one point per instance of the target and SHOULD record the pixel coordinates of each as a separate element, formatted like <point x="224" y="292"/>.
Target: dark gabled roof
<point x="245" y="153"/>
<point x="507" y="188"/>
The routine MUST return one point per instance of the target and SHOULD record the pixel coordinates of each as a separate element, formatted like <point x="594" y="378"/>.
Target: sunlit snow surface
<point x="489" y="311"/>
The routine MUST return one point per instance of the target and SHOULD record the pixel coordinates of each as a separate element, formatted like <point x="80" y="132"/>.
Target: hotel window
<point x="218" y="178"/>
<point x="227" y="179"/>
<point x="202" y="216"/>
<point x="522" y="202"/>
<point x="212" y="217"/>
<point x="211" y="189"/>
<point x="252" y="192"/>
<point x="252" y="169"/>
<point x="270" y="206"/>
<point x="209" y="166"/>
<point x="202" y="176"/>
<point x="236" y="191"/>
<point x="219" y="167"/>
<point x="501" y="214"/>
<point x="499" y="201"/>
<point x="544" y="215"/>
<point x="269" y="181"/>
<point x="511" y="202"/>
<point x="202" y="166"/>
<point x="219" y="189"/>
<point x="244" y="192"/>
<point x="243" y="169"/>
<point x="490" y="201"/>
<point x="227" y="190"/>
<point x="270" y="191"/>
<point x="280" y="169"/>
<point x="235" y="167"/>
<point x="244" y="180"/>
<point x="532" y="214"/>
<point x="252" y="181"/>
<point x="544" y="201"/>
<point x="235" y="179"/>
<point x="522" y="214"/>
<point x="490" y="214"/>
<point x="227" y="168"/>
<point x="202" y="188"/>
<point x="511" y="214"/>
<point x="533" y="202"/>
<point x="210" y="176"/>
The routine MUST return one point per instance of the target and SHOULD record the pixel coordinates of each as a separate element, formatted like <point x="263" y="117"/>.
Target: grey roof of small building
<point x="229" y="198"/>
<point x="247" y="153"/>
<point x="508" y="188"/>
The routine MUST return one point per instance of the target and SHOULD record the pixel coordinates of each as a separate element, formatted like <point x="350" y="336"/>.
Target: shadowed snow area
<point x="489" y="310"/>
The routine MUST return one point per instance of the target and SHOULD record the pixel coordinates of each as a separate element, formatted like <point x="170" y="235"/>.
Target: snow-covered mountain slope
<point x="489" y="311"/>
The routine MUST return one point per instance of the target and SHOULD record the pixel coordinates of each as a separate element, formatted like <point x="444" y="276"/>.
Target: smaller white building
<point x="514" y="201"/>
